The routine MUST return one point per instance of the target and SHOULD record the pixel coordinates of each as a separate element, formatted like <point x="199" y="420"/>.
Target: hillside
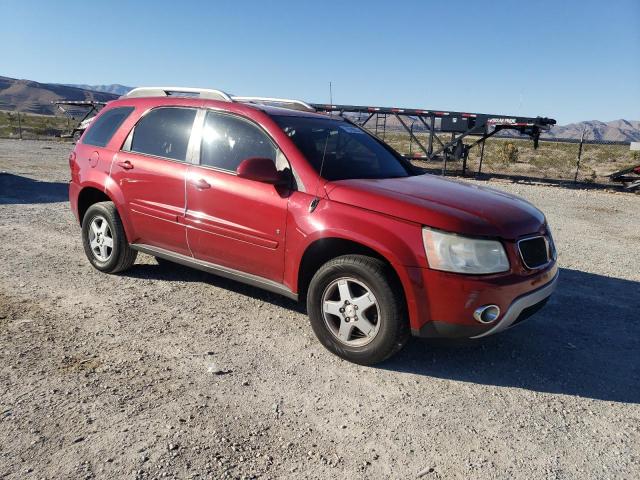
<point x="34" y="97"/>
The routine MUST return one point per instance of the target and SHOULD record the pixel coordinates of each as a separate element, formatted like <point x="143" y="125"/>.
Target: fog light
<point x="487" y="314"/>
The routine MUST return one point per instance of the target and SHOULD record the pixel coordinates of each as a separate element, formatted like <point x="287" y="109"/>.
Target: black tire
<point x="392" y="322"/>
<point x="121" y="256"/>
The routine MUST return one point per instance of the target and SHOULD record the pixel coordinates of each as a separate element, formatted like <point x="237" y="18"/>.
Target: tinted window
<point x="164" y="132"/>
<point x="348" y="151"/>
<point x="102" y="129"/>
<point x="228" y="140"/>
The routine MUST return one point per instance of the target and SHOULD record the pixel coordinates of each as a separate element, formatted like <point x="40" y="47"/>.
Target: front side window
<point x="228" y="140"/>
<point x="341" y="150"/>
<point x="105" y="125"/>
<point x="164" y="132"/>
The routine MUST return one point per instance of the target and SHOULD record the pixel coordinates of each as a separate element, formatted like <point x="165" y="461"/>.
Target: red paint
<point x="264" y="229"/>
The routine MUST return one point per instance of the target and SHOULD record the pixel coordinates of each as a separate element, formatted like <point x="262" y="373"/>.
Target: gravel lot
<point x="169" y="372"/>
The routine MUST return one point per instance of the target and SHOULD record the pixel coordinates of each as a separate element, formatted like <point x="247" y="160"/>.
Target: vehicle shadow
<point x="176" y="272"/>
<point x="16" y="189"/>
<point x="585" y="342"/>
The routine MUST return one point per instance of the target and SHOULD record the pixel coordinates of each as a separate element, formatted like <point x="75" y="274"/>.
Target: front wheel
<point x="357" y="310"/>
<point x="104" y="240"/>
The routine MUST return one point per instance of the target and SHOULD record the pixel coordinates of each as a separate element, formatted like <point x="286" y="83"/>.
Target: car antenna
<point x="316" y="198"/>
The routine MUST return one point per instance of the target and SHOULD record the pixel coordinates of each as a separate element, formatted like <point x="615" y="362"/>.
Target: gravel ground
<point x="169" y="372"/>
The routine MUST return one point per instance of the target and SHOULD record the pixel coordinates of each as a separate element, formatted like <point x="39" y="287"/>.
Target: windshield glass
<point x="348" y="151"/>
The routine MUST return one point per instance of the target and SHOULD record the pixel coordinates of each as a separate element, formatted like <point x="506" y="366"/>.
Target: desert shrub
<point x="507" y="153"/>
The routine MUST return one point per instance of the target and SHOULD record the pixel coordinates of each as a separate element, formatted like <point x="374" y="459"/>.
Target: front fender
<point x="398" y="241"/>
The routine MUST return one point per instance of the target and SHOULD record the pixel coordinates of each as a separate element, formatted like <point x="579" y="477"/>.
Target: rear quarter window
<point x="105" y="125"/>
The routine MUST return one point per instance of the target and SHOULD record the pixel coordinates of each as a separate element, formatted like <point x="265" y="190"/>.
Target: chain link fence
<point x="29" y="126"/>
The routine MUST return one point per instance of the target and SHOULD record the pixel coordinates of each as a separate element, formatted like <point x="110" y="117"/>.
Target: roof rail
<point x="276" y="102"/>
<point x="178" y="91"/>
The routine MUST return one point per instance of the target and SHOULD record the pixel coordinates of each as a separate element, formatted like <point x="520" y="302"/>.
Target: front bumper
<point x="523" y="307"/>
<point x="450" y="310"/>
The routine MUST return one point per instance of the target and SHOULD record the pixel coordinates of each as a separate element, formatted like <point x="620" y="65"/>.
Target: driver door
<point x="231" y="221"/>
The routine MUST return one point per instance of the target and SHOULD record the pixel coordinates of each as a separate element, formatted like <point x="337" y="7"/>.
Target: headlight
<point x="454" y="253"/>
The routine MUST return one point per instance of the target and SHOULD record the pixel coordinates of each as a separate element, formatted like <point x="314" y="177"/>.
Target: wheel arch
<point x="91" y="194"/>
<point x="325" y="249"/>
<point x="87" y="197"/>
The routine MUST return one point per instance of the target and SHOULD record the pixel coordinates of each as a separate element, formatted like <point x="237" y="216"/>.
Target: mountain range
<point x="617" y="130"/>
<point x="34" y="97"/>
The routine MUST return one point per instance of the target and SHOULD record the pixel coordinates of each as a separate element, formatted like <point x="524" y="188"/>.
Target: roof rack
<point x="276" y="102"/>
<point x="217" y="95"/>
<point x="178" y="91"/>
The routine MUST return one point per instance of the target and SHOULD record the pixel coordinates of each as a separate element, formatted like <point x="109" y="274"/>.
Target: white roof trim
<point x="167" y="91"/>
<point x="273" y="101"/>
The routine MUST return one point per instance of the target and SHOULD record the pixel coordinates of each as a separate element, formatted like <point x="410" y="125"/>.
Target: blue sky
<point x="572" y="60"/>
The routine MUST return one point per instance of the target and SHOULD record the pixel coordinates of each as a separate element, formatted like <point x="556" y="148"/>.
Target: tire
<point x="104" y="240"/>
<point x="357" y="309"/>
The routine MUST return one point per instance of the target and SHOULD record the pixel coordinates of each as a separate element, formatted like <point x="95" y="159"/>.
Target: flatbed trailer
<point x="92" y="108"/>
<point x="459" y="124"/>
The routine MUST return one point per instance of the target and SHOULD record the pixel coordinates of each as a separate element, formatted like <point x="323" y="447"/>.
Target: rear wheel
<point x="356" y="309"/>
<point x="104" y="240"/>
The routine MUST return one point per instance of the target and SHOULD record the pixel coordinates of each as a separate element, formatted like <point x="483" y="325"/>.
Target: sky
<point x="571" y="60"/>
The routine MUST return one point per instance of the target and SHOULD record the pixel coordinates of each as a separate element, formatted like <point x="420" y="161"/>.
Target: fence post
<point x="19" y="126"/>
<point x="575" y="178"/>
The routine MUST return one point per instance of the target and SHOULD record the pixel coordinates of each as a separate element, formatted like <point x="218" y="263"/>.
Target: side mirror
<point x="261" y="170"/>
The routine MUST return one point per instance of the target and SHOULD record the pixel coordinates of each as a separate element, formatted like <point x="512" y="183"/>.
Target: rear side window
<point x="102" y="129"/>
<point x="164" y="132"/>
<point x="228" y="140"/>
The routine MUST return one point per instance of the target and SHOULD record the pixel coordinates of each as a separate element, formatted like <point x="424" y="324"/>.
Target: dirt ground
<point x="165" y="372"/>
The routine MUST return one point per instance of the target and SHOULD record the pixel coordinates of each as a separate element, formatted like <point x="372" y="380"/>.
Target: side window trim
<point x="126" y="146"/>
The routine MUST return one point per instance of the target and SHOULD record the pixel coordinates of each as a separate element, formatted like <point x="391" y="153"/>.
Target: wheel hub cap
<point x="351" y="311"/>
<point x="100" y="239"/>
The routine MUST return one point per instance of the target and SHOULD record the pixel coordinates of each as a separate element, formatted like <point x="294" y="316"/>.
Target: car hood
<point x="442" y="203"/>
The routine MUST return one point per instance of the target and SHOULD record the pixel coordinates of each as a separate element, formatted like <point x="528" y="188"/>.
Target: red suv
<point x="312" y="207"/>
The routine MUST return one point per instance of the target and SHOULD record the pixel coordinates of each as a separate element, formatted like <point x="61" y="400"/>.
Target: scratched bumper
<point x="450" y="300"/>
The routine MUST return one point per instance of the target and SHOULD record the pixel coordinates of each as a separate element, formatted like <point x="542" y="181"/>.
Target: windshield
<point x="349" y="152"/>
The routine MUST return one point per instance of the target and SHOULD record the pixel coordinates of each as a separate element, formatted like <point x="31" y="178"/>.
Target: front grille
<point x="534" y="252"/>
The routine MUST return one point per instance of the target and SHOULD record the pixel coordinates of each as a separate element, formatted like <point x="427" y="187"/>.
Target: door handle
<point x="127" y="165"/>
<point x="200" y="184"/>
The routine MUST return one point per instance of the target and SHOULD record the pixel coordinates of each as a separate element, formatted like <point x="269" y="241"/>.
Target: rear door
<point x="151" y="171"/>
<point x="232" y="221"/>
